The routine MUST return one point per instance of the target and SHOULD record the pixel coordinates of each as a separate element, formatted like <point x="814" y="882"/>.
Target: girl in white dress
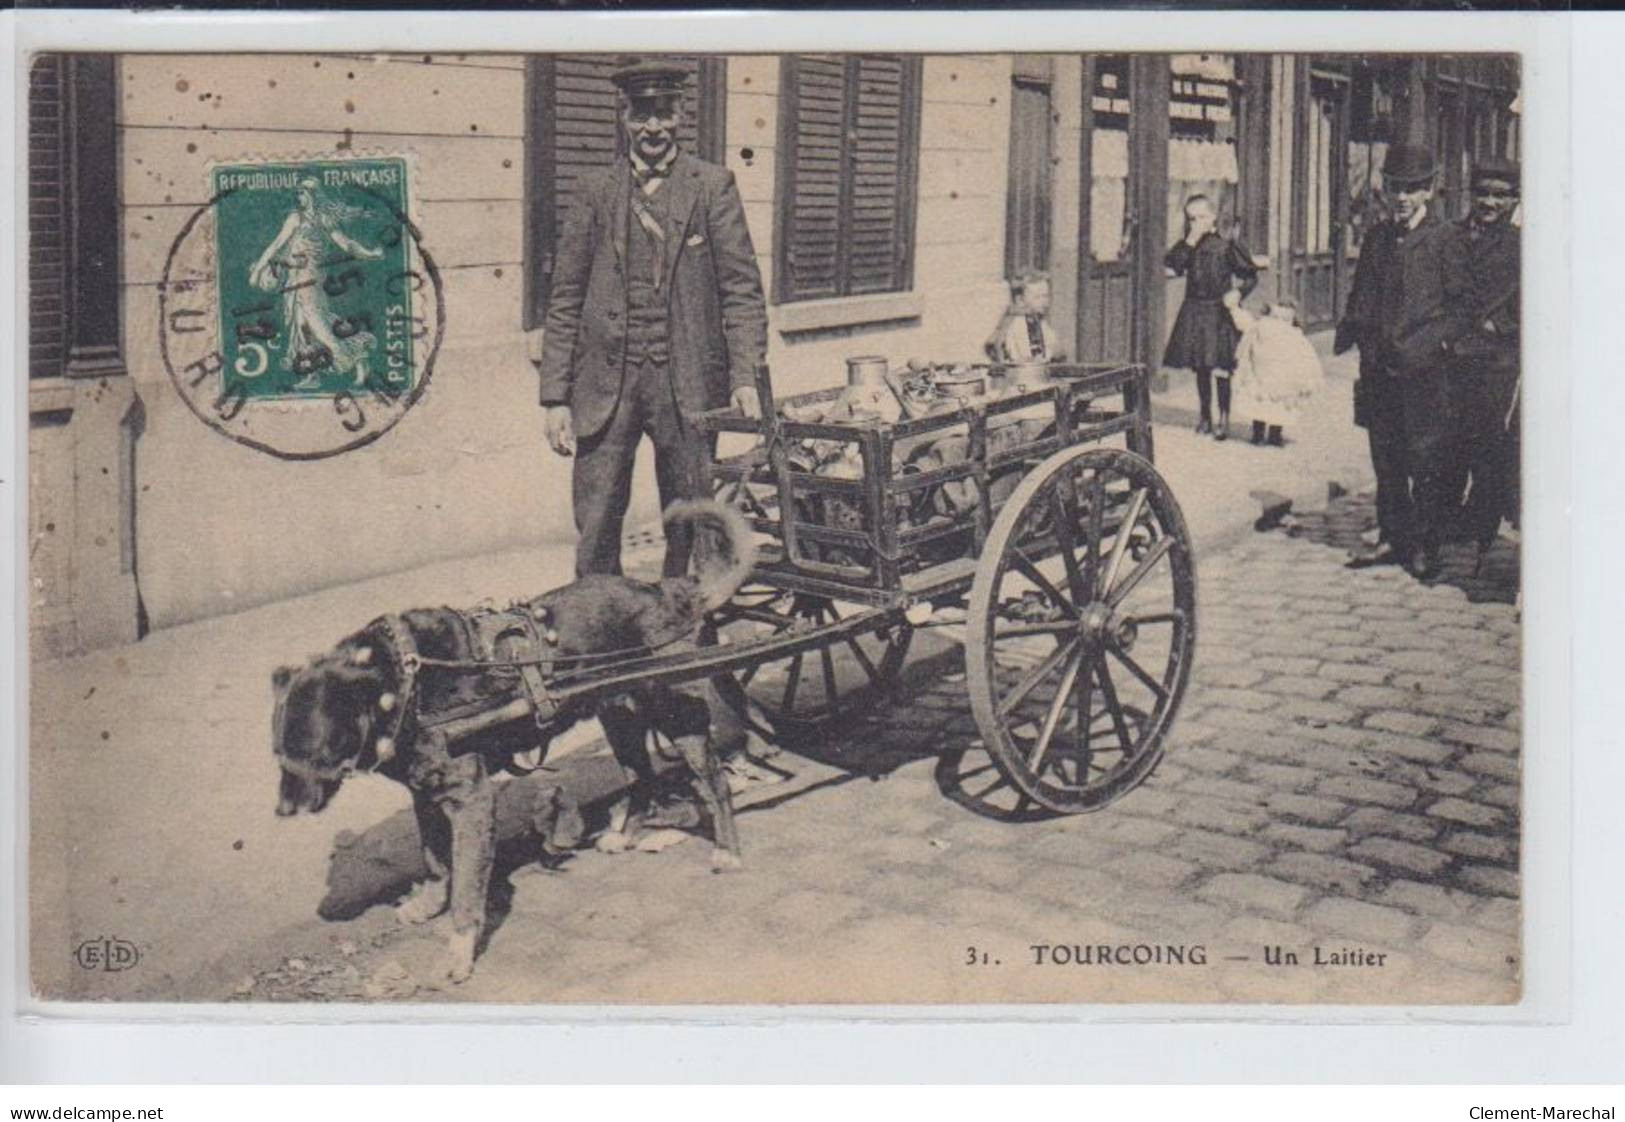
<point x="1277" y="369"/>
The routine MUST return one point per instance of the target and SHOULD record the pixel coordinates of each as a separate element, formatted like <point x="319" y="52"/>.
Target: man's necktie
<point x="649" y="220"/>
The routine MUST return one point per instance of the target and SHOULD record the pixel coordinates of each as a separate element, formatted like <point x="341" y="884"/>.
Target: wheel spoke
<point x="863" y="659"/>
<point x="1177" y="615"/>
<point x="828" y="660"/>
<point x="1030" y="571"/>
<point x="1116" y="595"/>
<point x="1120" y="543"/>
<point x="1109" y="693"/>
<point x="1140" y="672"/>
<point x="1066" y="538"/>
<point x="1060" y="654"/>
<point x="1002" y="781"/>
<point x="1086" y="700"/>
<point x="790" y="686"/>
<point x="1056" y="708"/>
<point x="1097" y="515"/>
<point x="750" y="672"/>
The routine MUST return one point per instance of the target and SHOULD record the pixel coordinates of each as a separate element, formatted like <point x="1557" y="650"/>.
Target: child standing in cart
<point x="1277" y="369"/>
<point x="1204" y="337"/>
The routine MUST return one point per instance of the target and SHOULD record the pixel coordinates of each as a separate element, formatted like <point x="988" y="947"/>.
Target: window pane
<point x="1028" y="206"/>
<point x="1108" y="158"/>
<point x="1202" y="135"/>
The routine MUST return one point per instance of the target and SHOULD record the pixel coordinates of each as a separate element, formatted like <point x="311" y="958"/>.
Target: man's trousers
<point x="1486" y="388"/>
<point x="602" y="489"/>
<point x="1408" y="421"/>
<point x="602" y="482"/>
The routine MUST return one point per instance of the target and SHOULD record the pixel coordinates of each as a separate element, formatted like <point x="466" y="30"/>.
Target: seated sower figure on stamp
<point x="656" y="314"/>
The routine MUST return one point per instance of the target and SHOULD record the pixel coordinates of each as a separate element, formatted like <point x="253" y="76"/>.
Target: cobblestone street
<point x="1336" y="820"/>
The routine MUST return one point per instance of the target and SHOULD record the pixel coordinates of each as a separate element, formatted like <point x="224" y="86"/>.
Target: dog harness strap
<point x="398" y="638"/>
<point x="536" y="673"/>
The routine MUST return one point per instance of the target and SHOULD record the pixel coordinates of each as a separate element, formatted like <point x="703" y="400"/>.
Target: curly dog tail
<point x="719" y="570"/>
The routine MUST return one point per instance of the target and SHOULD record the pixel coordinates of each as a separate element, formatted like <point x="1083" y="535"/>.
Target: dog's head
<point x="325" y="725"/>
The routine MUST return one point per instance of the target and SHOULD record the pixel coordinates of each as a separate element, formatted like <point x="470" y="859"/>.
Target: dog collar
<point x="396" y="638"/>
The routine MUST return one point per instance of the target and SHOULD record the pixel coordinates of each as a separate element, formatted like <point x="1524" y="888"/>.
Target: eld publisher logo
<point x="107" y="954"/>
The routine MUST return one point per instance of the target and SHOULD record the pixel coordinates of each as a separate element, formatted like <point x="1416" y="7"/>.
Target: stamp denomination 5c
<point x="300" y="312"/>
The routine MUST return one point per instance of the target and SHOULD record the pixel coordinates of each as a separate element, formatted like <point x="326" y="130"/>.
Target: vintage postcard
<point x="839" y="529"/>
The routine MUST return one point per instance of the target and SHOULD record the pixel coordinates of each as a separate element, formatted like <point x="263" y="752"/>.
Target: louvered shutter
<point x="47" y="290"/>
<point x="878" y="143"/>
<point x="849" y="151"/>
<point x="575" y="127"/>
<point x="812" y="236"/>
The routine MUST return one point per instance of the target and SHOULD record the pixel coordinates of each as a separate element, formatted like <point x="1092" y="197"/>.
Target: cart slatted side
<point x="882" y="531"/>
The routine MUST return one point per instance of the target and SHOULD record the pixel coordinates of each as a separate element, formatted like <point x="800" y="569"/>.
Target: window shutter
<point x="877" y="163"/>
<point x="47" y="288"/>
<point x="586" y="134"/>
<point x="813" y="233"/>
<point x="574" y="127"/>
<point x="848" y="155"/>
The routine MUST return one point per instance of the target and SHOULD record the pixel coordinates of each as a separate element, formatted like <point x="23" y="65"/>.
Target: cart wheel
<point x="1081" y="629"/>
<point x="803" y="691"/>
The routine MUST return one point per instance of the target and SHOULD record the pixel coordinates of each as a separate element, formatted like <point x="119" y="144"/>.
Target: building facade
<point x="890" y="198"/>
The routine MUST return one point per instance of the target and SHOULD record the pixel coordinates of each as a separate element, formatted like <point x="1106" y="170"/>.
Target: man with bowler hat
<point x="1403" y="312"/>
<point x="1486" y="374"/>
<point x="656" y="313"/>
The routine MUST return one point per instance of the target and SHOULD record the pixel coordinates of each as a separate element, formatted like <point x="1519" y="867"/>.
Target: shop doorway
<point x="1122" y="224"/>
<point x="1321" y="265"/>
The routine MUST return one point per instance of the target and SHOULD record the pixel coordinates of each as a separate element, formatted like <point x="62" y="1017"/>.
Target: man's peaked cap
<point x="645" y="78"/>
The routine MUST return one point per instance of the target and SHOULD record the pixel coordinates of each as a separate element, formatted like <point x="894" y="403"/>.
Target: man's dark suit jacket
<point x="1495" y="266"/>
<point x="1409" y="296"/>
<point x="717" y="319"/>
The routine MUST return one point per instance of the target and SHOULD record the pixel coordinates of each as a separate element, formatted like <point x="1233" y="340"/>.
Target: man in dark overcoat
<point x="656" y="313"/>
<point x="1486" y="373"/>
<point x="1403" y="313"/>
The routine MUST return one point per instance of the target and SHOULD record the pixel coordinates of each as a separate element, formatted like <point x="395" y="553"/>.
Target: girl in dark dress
<point x="1204" y="337"/>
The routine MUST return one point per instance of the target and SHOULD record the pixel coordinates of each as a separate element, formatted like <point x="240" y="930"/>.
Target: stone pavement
<point x="1336" y="821"/>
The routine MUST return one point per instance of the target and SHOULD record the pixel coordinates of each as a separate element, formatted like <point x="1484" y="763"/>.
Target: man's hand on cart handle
<point x="560" y="429"/>
<point x="746" y="401"/>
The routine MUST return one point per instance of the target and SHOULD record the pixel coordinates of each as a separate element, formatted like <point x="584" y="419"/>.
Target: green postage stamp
<point x="300" y="313"/>
<point x="315" y="288"/>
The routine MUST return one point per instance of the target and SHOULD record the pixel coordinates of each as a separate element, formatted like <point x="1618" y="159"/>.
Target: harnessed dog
<point x="404" y="696"/>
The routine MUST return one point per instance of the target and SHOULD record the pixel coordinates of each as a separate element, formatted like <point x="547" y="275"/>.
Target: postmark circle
<point x="299" y="313"/>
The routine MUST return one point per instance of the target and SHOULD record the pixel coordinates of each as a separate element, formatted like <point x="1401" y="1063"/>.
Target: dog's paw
<point x="725" y="861"/>
<point x="428" y="899"/>
<point x="460" y="956"/>
<point x="614" y="841"/>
